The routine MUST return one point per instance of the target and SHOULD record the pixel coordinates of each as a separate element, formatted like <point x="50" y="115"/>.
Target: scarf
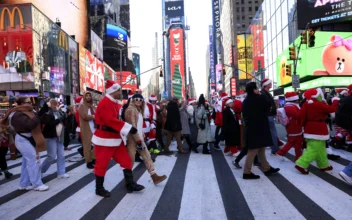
<point x="36" y="132"/>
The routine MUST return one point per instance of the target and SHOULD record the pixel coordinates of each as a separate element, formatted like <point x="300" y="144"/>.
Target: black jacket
<point x="49" y="124"/>
<point x="272" y="109"/>
<point x="231" y="128"/>
<point x="173" y="118"/>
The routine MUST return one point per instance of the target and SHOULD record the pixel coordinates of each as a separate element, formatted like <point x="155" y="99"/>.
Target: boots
<point x="205" y="149"/>
<point x="99" y="187"/>
<point x="130" y="184"/>
<point x="158" y="179"/>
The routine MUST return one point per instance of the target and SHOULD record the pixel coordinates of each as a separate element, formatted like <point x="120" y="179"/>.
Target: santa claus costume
<point x="312" y="116"/>
<point x="150" y="119"/>
<point x="219" y="107"/>
<point x="294" y="127"/>
<point x="110" y="140"/>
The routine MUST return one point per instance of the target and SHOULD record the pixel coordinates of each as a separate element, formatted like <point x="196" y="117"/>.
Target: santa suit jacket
<point x="313" y="115"/>
<point x="151" y="111"/>
<point x="294" y="127"/>
<point x="107" y="114"/>
<point x="219" y="107"/>
<point x="237" y="107"/>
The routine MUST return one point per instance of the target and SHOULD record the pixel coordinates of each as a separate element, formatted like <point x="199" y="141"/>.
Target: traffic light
<point x="223" y="70"/>
<point x="293" y="55"/>
<point x="161" y="72"/>
<point x="288" y="70"/>
<point x="304" y="37"/>
<point x="311" y="38"/>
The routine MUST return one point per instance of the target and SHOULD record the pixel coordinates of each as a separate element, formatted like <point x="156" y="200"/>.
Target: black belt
<point x="146" y="119"/>
<point x="106" y="128"/>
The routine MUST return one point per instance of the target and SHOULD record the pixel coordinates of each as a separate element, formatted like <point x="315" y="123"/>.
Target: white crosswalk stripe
<point x="196" y="192"/>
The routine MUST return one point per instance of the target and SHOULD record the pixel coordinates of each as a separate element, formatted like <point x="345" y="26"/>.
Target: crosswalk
<point x="198" y="187"/>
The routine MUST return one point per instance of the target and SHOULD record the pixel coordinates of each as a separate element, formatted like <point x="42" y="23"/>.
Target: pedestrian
<point x="134" y="116"/>
<point x="4" y="148"/>
<point x="53" y="123"/>
<point x="202" y="120"/>
<point x="87" y="125"/>
<point x="312" y="115"/>
<point x="192" y="104"/>
<point x="257" y="131"/>
<point x="69" y="128"/>
<point x="218" y="108"/>
<point x="78" y="101"/>
<point x="109" y="140"/>
<point x="151" y="111"/>
<point x="266" y="86"/>
<point x="186" y="131"/>
<point x="29" y="141"/>
<point x="173" y="125"/>
<point x="231" y="128"/>
<point x="294" y="127"/>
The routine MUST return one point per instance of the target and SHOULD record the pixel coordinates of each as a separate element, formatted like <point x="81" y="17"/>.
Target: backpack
<point x="343" y="116"/>
<point x="281" y="117"/>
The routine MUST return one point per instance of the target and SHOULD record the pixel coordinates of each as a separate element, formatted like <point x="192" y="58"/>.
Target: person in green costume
<point x="312" y="115"/>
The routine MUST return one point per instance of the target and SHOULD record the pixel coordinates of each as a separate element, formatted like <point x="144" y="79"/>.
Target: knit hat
<point x="191" y="101"/>
<point x="291" y="96"/>
<point x="266" y="82"/>
<point x="137" y="96"/>
<point x="229" y="101"/>
<point x="224" y="95"/>
<point x="312" y="94"/>
<point x="111" y="87"/>
<point x="78" y="99"/>
<point x="130" y="94"/>
<point x="152" y="97"/>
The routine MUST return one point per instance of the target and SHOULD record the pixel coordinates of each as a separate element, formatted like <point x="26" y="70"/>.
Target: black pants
<point x="243" y="153"/>
<point x="66" y="138"/>
<point x="3" y="163"/>
<point x="159" y="135"/>
<point x="188" y="140"/>
<point x="218" y="135"/>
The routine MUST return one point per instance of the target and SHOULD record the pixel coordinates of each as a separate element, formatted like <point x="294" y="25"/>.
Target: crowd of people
<point x="139" y="129"/>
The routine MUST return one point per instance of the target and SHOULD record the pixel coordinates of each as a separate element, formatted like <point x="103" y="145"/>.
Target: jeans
<point x="348" y="170"/>
<point x="30" y="169"/>
<point x="273" y="132"/>
<point x="55" y="149"/>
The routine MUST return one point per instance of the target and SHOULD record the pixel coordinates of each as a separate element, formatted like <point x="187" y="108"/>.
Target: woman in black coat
<point x="257" y="131"/>
<point x="231" y="128"/>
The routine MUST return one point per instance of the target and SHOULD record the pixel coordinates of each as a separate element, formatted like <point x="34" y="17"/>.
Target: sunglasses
<point x="138" y="99"/>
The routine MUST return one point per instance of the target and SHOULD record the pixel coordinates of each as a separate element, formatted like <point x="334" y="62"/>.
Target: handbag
<point x="202" y="123"/>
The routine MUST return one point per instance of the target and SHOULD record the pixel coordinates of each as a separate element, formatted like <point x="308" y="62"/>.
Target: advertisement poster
<point x="219" y="77"/>
<point x="258" y="46"/>
<point x="57" y="77"/>
<point x="74" y="66"/>
<point x="94" y="73"/>
<point x="129" y="80"/>
<point x="212" y="62"/>
<point x="332" y="53"/>
<point x="137" y="65"/>
<point x="322" y="12"/>
<point x="109" y="74"/>
<point x="82" y="69"/>
<point x="16" y="50"/>
<point x="177" y="62"/>
<point x="233" y="87"/>
<point x="244" y="55"/>
<point x="174" y="12"/>
<point x="116" y="37"/>
<point x="97" y="45"/>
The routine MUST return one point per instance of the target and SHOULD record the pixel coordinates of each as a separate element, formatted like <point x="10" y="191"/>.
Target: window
<point x="250" y="17"/>
<point x="256" y="2"/>
<point x="242" y="9"/>
<point x="238" y="18"/>
<point x="237" y="3"/>
<point x="237" y="9"/>
<point x="243" y="17"/>
<point x="249" y="2"/>
<point x="256" y="8"/>
<point x="249" y="8"/>
<point x="242" y="1"/>
<point x="243" y="25"/>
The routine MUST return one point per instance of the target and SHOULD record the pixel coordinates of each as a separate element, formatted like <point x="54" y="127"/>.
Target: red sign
<point x="129" y="80"/>
<point x="94" y="73"/>
<point x="177" y="62"/>
<point x="233" y="87"/>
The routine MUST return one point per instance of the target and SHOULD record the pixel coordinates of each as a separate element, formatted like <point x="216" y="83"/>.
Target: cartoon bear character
<point x="284" y="77"/>
<point x="337" y="57"/>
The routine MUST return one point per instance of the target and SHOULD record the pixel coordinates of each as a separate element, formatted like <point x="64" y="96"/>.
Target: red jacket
<point x="237" y="108"/>
<point x="107" y="114"/>
<point x="219" y="107"/>
<point x="313" y="116"/>
<point x="294" y="127"/>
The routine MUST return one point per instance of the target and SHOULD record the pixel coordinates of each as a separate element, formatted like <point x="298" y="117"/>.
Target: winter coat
<point x="173" y="118"/>
<point x="294" y="127"/>
<point x="255" y="116"/>
<point x="135" y="118"/>
<point x="185" y="120"/>
<point x="231" y="128"/>
<point x="272" y="108"/>
<point x="203" y="135"/>
<point x="84" y="119"/>
<point x="49" y="124"/>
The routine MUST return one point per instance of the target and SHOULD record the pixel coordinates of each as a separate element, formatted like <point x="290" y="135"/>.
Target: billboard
<point x="244" y="56"/>
<point x="16" y="50"/>
<point x="322" y="12"/>
<point x="129" y="80"/>
<point x="174" y="9"/>
<point x="116" y="37"/>
<point x="332" y="55"/>
<point x="125" y="14"/>
<point x="97" y="45"/>
<point x="109" y="73"/>
<point x="137" y="66"/>
<point x="82" y="69"/>
<point x="177" y="57"/>
<point x="233" y="87"/>
<point x="212" y="61"/>
<point x="219" y="77"/>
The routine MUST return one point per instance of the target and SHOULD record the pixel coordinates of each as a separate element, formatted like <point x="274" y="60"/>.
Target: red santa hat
<point x="349" y="89"/>
<point x="152" y="97"/>
<point x="224" y="95"/>
<point x="229" y="101"/>
<point x="206" y="101"/>
<point x="312" y="94"/>
<point x="191" y="101"/>
<point x="241" y="92"/>
<point x="78" y="99"/>
<point x="266" y="82"/>
<point x="111" y="87"/>
<point x="130" y="94"/>
<point x="291" y="96"/>
<point x="341" y="91"/>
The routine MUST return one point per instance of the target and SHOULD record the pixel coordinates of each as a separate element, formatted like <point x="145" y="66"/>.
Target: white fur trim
<point x="317" y="137"/>
<point x="191" y="102"/>
<point x="106" y="142"/>
<point x="310" y="102"/>
<point x="295" y="135"/>
<point x="339" y="135"/>
<point x="152" y="126"/>
<point x="125" y="129"/>
<point x="78" y="129"/>
<point x="152" y="98"/>
<point x="320" y="92"/>
<point x="335" y="98"/>
<point x="113" y="88"/>
<point x="293" y="98"/>
<point x="114" y="100"/>
<point x="267" y="83"/>
<point x="343" y="92"/>
<point x="229" y="101"/>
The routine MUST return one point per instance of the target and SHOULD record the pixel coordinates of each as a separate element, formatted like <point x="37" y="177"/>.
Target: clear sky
<point x="146" y="18"/>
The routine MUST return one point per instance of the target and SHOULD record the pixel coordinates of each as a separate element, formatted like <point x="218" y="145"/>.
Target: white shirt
<point x="91" y="122"/>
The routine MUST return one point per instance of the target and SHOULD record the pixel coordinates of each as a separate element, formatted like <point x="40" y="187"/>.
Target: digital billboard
<point x="330" y="56"/>
<point x="322" y="12"/>
<point x="109" y="73"/>
<point x="82" y="69"/>
<point x="97" y="45"/>
<point x="129" y="80"/>
<point x="137" y="66"/>
<point x="16" y="50"/>
<point x="116" y="37"/>
<point x="212" y="61"/>
<point x="219" y="86"/>
<point x="177" y="57"/>
<point x="174" y="9"/>
<point x="244" y="56"/>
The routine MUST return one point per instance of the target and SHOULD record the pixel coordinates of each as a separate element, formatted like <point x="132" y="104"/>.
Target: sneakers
<point x="216" y="147"/>
<point x="237" y="165"/>
<point x="271" y="171"/>
<point x="236" y="154"/>
<point x="41" y="188"/>
<point x="63" y="176"/>
<point x="90" y="165"/>
<point x="155" y="151"/>
<point x="346" y="178"/>
<point x="21" y="188"/>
